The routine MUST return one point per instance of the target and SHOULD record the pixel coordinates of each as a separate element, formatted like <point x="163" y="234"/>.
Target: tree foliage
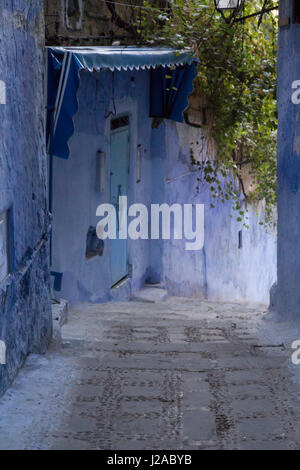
<point x="237" y="75"/>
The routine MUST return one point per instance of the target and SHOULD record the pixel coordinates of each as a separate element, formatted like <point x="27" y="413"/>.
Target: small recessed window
<point x="122" y="121"/>
<point x="74" y="14"/>
<point x="4" y="245"/>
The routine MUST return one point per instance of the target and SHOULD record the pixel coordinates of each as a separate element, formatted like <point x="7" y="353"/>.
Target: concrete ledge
<point x="60" y="310"/>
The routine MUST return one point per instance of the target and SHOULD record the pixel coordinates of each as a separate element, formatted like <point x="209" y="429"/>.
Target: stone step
<point x="158" y="285"/>
<point x="150" y="294"/>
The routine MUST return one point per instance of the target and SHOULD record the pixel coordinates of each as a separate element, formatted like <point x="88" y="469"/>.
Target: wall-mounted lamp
<point x="230" y="9"/>
<point x="100" y="171"/>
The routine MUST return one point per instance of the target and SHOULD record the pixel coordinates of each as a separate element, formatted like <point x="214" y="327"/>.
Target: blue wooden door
<point x="119" y="151"/>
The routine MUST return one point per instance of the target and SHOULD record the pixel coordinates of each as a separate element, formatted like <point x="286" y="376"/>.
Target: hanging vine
<point x="237" y="77"/>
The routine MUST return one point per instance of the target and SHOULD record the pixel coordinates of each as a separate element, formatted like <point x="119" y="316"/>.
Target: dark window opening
<point x="122" y="121"/>
<point x="296" y="18"/>
<point x="73" y="8"/>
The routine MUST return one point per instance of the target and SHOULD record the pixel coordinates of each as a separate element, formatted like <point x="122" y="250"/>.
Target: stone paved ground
<point x="183" y="374"/>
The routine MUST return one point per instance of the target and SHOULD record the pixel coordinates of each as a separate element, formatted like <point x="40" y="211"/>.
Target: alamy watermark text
<point x="183" y="222"/>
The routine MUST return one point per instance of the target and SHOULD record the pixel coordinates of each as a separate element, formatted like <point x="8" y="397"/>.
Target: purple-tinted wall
<point x="25" y="310"/>
<point x="221" y="270"/>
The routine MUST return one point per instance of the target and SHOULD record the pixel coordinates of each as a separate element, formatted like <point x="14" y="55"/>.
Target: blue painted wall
<point x="75" y="198"/>
<point x="25" y="313"/>
<point x="286" y="298"/>
<point x="220" y="271"/>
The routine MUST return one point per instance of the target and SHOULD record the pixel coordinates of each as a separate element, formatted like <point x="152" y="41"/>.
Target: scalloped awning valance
<point x="172" y="75"/>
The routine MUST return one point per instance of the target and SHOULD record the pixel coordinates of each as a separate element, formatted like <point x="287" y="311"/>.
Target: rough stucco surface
<point x="220" y="271"/>
<point x="287" y="296"/>
<point x="25" y="315"/>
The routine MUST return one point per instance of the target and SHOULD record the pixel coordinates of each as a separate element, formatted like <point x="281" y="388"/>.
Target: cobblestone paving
<point x="183" y="374"/>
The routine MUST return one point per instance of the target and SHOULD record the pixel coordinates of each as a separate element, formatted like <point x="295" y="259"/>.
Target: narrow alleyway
<point x="182" y="374"/>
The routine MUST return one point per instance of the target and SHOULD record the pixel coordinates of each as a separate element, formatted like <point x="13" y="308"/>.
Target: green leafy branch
<point x="237" y="76"/>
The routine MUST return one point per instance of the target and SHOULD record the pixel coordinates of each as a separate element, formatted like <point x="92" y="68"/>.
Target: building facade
<point x="92" y="22"/>
<point x="25" y="311"/>
<point x="286" y="295"/>
<point x="235" y="263"/>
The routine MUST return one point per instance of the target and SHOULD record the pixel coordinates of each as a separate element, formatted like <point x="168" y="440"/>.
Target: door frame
<point x="114" y="132"/>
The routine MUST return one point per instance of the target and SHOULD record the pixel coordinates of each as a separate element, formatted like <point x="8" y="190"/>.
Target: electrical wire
<point x="139" y="6"/>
